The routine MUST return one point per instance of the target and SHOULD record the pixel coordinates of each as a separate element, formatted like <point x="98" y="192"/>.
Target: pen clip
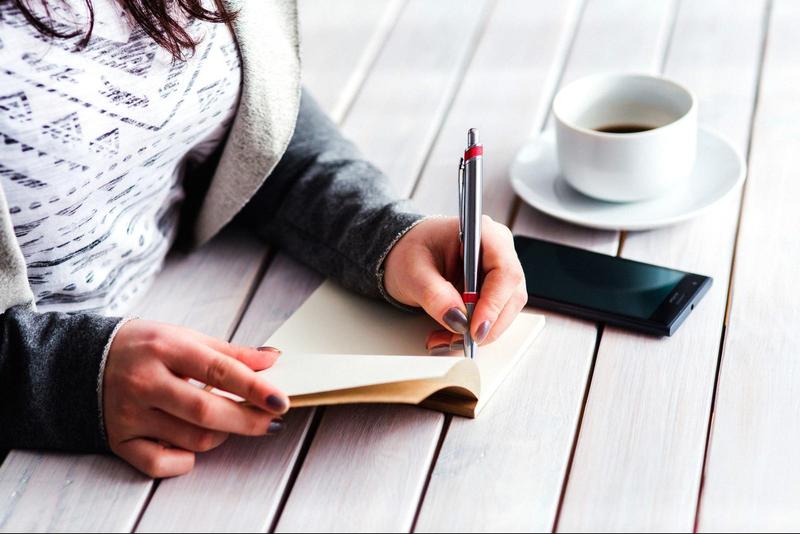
<point x="461" y="200"/>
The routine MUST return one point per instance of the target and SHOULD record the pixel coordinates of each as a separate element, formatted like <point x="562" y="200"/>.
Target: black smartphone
<point x="608" y="289"/>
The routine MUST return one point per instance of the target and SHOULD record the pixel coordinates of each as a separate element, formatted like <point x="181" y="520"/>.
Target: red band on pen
<point x="473" y="151"/>
<point x="470" y="297"/>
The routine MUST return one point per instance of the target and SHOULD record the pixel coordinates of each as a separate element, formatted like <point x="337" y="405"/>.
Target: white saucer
<point x="718" y="172"/>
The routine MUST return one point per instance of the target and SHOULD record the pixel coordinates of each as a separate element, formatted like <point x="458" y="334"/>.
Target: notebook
<point x="341" y="348"/>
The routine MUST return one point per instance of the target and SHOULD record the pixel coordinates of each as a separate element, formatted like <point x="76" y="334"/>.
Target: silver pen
<point x="470" y="191"/>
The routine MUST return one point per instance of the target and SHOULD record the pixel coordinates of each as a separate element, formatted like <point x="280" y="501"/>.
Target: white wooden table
<point x="598" y="429"/>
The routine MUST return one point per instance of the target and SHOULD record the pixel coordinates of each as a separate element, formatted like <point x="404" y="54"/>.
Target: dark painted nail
<point x="270" y="349"/>
<point x="455" y="319"/>
<point x="482" y="331"/>
<point x="457" y="345"/>
<point x="275" y="426"/>
<point x="439" y="350"/>
<point x="277" y="404"/>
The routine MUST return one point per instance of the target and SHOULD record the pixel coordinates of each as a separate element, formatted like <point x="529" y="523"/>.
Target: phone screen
<point x="596" y="281"/>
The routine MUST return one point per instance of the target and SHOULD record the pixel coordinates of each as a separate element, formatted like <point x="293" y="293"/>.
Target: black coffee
<point x="624" y="128"/>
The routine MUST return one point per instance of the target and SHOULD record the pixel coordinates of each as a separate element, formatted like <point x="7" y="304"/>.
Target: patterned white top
<point x="93" y="146"/>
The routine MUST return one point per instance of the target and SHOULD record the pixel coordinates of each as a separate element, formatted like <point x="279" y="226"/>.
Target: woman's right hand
<point x="157" y="421"/>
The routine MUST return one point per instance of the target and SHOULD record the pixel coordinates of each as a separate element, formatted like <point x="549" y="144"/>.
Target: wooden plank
<point x="226" y="270"/>
<point x="287" y="283"/>
<point x="49" y="492"/>
<point x="364" y="472"/>
<point x="235" y="500"/>
<point x="518" y="452"/>
<point x="517" y="64"/>
<point x="401" y="106"/>
<point x="638" y="462"/>
<point x="340" y="40"/>
<point x="206" y="290"/>
<point x="752" y="478"/>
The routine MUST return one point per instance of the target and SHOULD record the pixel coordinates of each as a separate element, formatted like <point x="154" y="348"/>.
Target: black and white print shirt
<point x="93" y="143"/>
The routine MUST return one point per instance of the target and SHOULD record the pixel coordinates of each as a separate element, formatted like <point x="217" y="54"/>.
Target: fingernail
<point x="482" y="331"/>
<point x="265" y="348"/>
<point x="455" y="319"/>
<point x="439" y="350"/>
<point x="457" y="345"/>
<point x="276" y="404"/>
<point x="275" y="426"/>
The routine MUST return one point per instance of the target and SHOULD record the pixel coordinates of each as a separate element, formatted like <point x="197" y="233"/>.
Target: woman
<point x="129" y="124"/>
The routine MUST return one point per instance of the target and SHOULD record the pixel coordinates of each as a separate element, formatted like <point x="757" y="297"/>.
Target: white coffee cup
<point x="624" y="167"/>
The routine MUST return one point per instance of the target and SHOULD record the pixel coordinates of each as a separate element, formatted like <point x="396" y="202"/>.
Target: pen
<point x="470" y="191"/>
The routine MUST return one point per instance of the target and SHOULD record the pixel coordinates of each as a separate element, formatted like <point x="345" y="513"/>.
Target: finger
<point x="154" y="459"/>
<point x="256" y="358"/>
<point x="165" y="427"/>
<point x="440" y="342"/>
<point x="496" y="292"/>
<point x="228" y="374"/>
<point x="503" y="278"/>
<point x="438" y="298"/>
<point x="211" y="411"/>
<point x="512" y="308"/>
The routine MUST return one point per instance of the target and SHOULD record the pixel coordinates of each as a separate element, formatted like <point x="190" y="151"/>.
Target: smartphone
<point x="608" y="289"/>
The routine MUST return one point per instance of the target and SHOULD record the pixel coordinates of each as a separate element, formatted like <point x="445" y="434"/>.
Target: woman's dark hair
<point x="159" y="19"/>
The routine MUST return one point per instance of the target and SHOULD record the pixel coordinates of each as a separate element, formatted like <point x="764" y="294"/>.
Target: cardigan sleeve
<point x="51" y="369"/>
<point x="329" y="207"/>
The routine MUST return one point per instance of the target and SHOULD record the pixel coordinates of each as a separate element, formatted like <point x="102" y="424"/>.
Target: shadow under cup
<point x="656" y="153"/>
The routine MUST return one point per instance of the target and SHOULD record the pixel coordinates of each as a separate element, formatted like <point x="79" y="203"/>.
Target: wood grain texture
<point x="519" y="450"/>
<point x="233" y="499"/>
<point x="50" y="492"/>
<point x="339" y="42"/>
<point x="638" y="462"/>
<point x="503" y="472"/>
<point x="510" y="80"/>
<point x="364" y="472"/>
<point x="206" y="289"/>
<point x="752" y="479"/>
<point x="402" y="104"/>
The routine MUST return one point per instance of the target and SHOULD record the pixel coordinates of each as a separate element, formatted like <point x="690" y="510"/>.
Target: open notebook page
<point x="339" y="340"/>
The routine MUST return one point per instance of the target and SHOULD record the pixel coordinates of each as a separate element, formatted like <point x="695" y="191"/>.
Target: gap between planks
<point x="442" y="435"/>
<point x="726" y="316"/>
<point x="372" y="52"/>
<point x="316" y="419"/>
<point x="588" y="387"/>
<point x="460" y="74"/>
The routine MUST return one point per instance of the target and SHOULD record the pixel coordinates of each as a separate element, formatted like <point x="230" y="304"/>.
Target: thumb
<point x="440" y="300"/>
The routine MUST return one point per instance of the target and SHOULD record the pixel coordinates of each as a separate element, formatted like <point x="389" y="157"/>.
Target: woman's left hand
<point x="425" y="269"/>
